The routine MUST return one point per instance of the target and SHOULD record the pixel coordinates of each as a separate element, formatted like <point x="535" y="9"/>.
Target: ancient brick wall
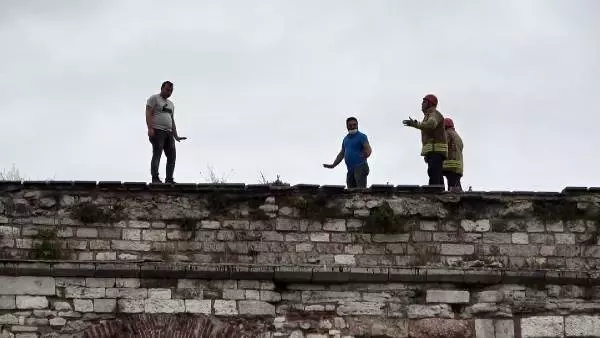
<point x="93" y="259"/>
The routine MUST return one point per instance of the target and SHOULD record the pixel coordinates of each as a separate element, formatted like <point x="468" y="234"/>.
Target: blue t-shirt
<point x="353" y="149"/>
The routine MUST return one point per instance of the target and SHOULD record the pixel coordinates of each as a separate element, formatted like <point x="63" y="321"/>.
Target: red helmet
<point x="448" y="123"/>
<point x="431" y="99"/>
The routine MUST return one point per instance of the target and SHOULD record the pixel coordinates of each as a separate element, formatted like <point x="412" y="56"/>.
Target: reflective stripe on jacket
<point x="433" y="134"/>
<point x="454" y="163"/>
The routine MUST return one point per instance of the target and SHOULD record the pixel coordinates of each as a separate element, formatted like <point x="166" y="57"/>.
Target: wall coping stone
<point x="270" y="188"/>
<point x="295" y="274"/>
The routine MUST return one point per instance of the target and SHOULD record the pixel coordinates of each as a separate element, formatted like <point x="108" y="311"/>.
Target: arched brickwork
<point x="168" y="326"/>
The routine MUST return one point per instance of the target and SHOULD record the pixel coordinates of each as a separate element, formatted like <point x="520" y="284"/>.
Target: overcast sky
<point x="266" y="86"/>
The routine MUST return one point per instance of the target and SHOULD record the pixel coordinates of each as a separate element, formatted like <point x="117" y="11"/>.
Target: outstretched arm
<point x="430" y="123"/>
<point x="338" y="159"/>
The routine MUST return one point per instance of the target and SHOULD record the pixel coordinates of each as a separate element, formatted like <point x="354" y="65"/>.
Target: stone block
<point x="542" y="326"/>
<point x="81" y="292"/>
<point x="564" y="238"/>
<point x="83" y="305"/>
<point x="132" y="234"/>
<point x="62" y="306"/>
<point x="391" y="238"/>
<point x="417" y="311"/>
<point x="198" y="306"/>
<point x="105" y="305"/>
<point x="582" y="326"/>
<point x="304" y="247"/>
<point x="520" y="238"/>
<point x="57" y="321"/>
<point x="205" y="224"/>
<point x="129" y="245"/>
<point x="20" y="328"/>
<point x="234" y="294"/>
<point x="481" y="225"/>
<point x="31" y="302"/>
<point x="491" y="296"/>
<point x="131" y="305"/>
<point x="24" y="285"/>
<point x="127" y="282"/>
<point x="106" y="256"/>
<point x="7" y="303"/>
<point x="87" y="232"/>
<point x="154" y="235"/>
<point x="344" y="259"/>
<point x="457" y="249"/>
<point x="269" y="296"/>
<point x="361" y="309"/>
<point x="319" y="237"/>
<point x="164" y="306"/>
<point x="252" y="295"/>
<point x="99" y="282"/>
<point x="139" y="224"/>
<point x="9" y="319"/>
<point x="335" y="225"/>
<point x="255" y="308"/>
<point x="484" y="328"/>
<point x="225" y="307"/>
<point x="109" y="233"/>
<point x="440" y="327"/>
<point x="504" y="328"/>
<point x="447" y="296"/>
<point x="159" y="293"/>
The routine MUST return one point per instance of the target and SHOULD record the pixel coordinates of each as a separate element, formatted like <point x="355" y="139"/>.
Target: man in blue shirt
<point x="355" y="151"/>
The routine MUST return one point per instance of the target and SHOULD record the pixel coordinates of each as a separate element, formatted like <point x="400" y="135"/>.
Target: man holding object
<point x="162" y="131"/>
<point x="433" y="138"/>
<point x="355" y="150"/>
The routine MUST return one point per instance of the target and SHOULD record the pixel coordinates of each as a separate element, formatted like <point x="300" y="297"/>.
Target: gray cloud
<point x="266" y="85"/>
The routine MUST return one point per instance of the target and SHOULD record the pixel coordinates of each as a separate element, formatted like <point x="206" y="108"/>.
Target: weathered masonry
<point x="111" y="259"/>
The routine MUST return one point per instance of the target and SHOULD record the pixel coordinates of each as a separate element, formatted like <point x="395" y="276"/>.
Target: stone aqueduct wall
<point x="112" y="260"/>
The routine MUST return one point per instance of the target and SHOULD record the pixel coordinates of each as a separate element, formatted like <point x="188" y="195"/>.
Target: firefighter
<point x="453" y="166"/>
<point x="433" y="138"/>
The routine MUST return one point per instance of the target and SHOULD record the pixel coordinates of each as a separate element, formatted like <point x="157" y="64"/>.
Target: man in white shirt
<point x="162" y="131"/>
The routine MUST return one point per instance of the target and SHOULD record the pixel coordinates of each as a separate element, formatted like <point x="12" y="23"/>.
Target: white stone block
<point x="198" y="306"/>
<point x="159" y="293"/>
<point x="345" y="259"/>
<point x="542" y="326"/>
<point x="164" y="306"/>
<point x="225" y="307"/>
<point x="43" y="286"/>
<point x="83" y="305"/>
<point x="582" y="326"/>
<point x="447" y="296"/>
<point x="100" y="282"/>
<point x="31" y="302"/>
<point x="255" y="308"/>
<point x="105" y="305"/>
<point x="131" y="305"/>
<point x="7" y="302"/>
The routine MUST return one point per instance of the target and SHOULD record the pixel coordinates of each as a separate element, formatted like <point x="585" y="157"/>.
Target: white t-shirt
<point x="162" y="112"/>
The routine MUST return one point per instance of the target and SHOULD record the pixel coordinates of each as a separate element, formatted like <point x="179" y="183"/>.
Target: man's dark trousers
<point x="162" y="141"/>
<point x="435" y="162"/>
<point x="357" y="176"/>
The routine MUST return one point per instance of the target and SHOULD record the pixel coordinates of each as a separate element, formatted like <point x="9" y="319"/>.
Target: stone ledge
<point x="295" y="274"/>
<point x="266" y="188"/>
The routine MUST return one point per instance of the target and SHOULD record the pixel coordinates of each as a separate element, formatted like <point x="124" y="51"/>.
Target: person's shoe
<point x="156" y="180"/>
<point x="169" y="181"/>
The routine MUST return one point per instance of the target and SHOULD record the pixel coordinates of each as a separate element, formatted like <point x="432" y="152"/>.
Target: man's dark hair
<point x="169" y="83"/>
<point x="351" y="118"/>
